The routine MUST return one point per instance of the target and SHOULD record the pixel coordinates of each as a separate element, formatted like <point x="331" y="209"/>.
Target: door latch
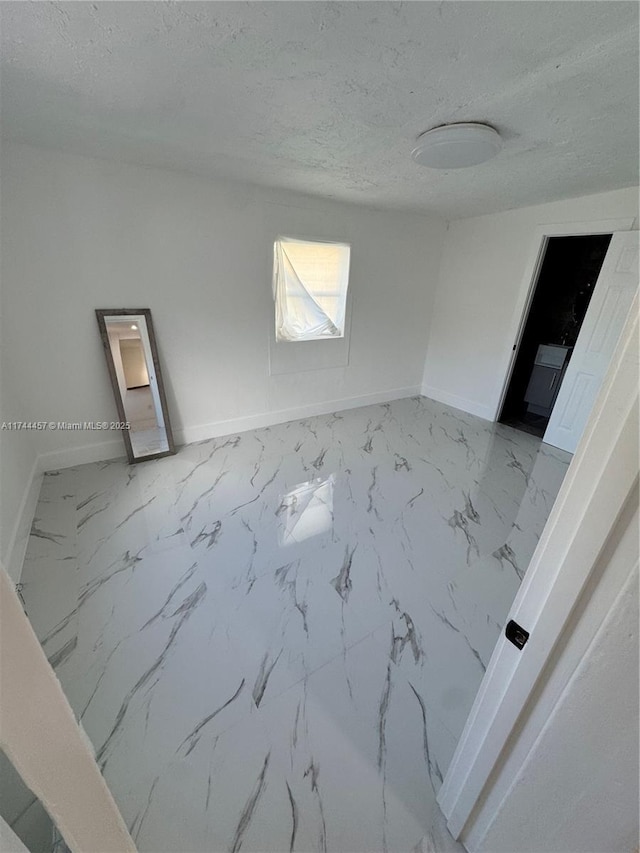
<point x="515" y="634"/>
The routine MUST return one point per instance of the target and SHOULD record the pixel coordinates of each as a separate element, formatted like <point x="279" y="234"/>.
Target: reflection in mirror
<point x="29" y="824"/>
<point x="132" y="359"/>
<point x="306" y="511"/>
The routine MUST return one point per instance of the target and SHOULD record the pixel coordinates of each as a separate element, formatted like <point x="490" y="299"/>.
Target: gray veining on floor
<point x="273" y="639"/>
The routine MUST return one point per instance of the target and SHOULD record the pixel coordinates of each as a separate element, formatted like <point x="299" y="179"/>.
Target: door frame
<point x="602" y="477"/>
<point x="46" y="744"/>
<point x="527" y="289"/>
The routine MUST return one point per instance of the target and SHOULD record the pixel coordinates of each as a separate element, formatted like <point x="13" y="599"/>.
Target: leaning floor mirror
<point x="132" y="358"/>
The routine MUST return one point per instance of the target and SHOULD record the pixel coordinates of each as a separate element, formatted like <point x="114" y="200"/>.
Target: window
<point x="310" y="289"/>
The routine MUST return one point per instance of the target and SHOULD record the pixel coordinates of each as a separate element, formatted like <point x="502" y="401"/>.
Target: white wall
<point x="19" y="473"/>
<point x="482" y="290"/>
<point x="133" y="362"/>
<point x="80" y="234"/>
<point x="114" y="343"/>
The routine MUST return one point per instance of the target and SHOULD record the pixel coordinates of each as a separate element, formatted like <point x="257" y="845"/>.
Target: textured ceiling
<point x="328" y="98"/>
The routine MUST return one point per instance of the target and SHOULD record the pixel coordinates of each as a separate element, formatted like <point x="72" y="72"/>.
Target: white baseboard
<point x="470" y="406"/>
<point x="69" y="457"/>
<point x="22" y="527"/>
<point x="188" y="435"/>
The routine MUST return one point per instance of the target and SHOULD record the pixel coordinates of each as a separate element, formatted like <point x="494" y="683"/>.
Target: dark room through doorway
<point x="565" y="284"/>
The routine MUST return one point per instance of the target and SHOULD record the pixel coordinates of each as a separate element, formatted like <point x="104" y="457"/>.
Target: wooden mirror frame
<point x="101" y="314"/>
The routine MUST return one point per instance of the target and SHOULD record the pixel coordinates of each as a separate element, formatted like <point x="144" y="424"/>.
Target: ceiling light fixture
<point x="455" y="146"/>
<point x="134" y="326"/>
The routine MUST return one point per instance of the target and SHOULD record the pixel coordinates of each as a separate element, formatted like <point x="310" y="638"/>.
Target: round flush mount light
<point x="134" y="326"/>
<point x="455" y="146"/>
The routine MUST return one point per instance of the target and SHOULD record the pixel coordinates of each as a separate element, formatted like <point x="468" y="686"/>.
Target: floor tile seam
<point x="310" y="673"/>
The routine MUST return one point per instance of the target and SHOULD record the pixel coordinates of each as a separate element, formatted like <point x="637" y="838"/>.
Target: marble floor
<point x="273" y="639"/>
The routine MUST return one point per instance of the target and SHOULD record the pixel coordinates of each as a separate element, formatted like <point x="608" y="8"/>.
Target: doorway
<point x="562" y="293"/>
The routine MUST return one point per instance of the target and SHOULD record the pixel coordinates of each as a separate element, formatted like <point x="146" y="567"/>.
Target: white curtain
<point x="299" y="315"/>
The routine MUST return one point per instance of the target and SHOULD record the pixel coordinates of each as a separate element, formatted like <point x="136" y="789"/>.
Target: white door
<point x="601" y="329"/>
<point x="600" y="482"/>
